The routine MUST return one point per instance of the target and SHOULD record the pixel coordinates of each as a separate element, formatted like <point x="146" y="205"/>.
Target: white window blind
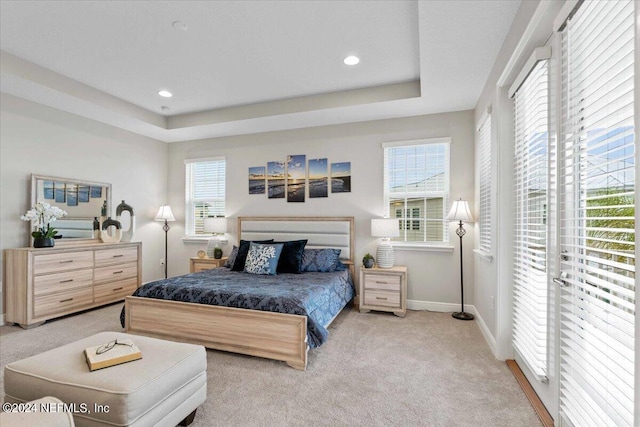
<point x="416" y="189"/>
<point x="484" y="167"/>
<point x="530" y="245"/>
<point x="598" y="204"/>
<point x="204" y="192"/>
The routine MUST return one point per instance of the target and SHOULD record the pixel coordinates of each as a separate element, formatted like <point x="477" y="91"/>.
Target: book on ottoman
<point x="112" y="353"/>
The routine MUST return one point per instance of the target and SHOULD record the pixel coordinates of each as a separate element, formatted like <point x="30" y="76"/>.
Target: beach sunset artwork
<point x="257" y="177"/>
<point x="341" y="177"/>
<point x="296" y="177"/>
<point x="318" y="178"/>
<point x="275" y="180"/>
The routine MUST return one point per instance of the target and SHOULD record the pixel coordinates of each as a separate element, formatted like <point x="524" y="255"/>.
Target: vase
<point x="368" y="263"/>
<point x="43" y="242"/>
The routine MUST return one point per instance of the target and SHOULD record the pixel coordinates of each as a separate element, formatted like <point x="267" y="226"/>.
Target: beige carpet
<point x="427" y="369"/>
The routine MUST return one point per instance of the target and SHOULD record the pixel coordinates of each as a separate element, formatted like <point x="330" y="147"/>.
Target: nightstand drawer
<point x="380" y="281"/>
<point x="382" y="298"/>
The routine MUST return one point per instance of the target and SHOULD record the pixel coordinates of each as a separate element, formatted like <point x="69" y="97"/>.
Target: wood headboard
<point x="321" y="232"/>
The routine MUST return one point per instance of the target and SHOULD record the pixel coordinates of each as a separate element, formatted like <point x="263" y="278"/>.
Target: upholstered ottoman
<point x="163" y="388"/>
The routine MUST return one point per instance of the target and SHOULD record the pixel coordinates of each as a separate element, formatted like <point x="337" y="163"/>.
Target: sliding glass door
<point x="597" y="209"/>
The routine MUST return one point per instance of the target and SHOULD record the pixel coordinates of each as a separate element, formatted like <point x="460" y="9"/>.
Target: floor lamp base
<point x="463" y="315"/>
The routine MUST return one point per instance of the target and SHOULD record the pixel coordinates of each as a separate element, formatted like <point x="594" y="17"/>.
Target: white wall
<point x="433" y="276"/>
<point x="45" y="141"/>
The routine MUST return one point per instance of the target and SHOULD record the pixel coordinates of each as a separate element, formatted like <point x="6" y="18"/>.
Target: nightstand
<point x="384" y="289"/>
<point x="199" y="264"/>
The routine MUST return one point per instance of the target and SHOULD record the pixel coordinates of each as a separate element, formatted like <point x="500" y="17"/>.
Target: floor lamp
<point x="460" y="212"/>
<point x="165" y="214"/>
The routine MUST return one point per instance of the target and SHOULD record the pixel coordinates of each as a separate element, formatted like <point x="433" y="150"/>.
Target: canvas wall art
<point x="257" y="179"/>
<point x="318" y="178"/>
<point x="275" y="180"/>
<point x="296" y="177"/>
<point x="341" y="177"/>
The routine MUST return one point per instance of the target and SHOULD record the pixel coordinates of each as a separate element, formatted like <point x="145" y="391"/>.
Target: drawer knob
<point x="66" y="262"/>
<point x="118" y="289"/>
<point x="118" y="256"/>
<point x="118" y="272"/>
<point x="66" y="281"/>
<point x="67" y="300"/>
<point x="382" y="298"/>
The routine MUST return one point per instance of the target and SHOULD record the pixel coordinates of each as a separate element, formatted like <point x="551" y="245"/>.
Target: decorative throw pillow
<point x="232" y="257"/>
<point x="263" y="259"/>
<point x="291" y="256"/>
<point x="320" y="260"/>
<point x="243" y="250"/>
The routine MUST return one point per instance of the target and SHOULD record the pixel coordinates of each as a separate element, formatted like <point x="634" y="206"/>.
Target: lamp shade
<point x="385" y="227"/>
<point x="215" y="225"/>
<point x="165" y="214"/>
<point x="460" y="211"/>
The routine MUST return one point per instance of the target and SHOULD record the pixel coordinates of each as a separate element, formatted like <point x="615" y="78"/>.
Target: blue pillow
<point x="241" y="256"/>
<point x="232" y="257"/>
<point x="321" y="260"/>
<point x="263" y="259"/>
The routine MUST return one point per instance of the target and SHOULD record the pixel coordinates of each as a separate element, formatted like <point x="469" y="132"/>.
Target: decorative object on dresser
<point x="368" y="261"/>
<point x="40" y="284"/>
<point x="215" y="225"/>
<point x="460" y="212"/>
<point x="41" y="217"/>
<point x="165" y="214"/>
<point x="385" y="228"/>
<point x="384" y="289"/>
<point x="127" y="234"/>
<point x="109" y="235"/>
<point x="200" y="264"/>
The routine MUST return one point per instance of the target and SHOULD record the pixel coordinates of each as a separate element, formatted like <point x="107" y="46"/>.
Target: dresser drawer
<point x="64" y="261"/>
<point x="114" y="291"/>
<point x="382" y="281"/>
<point x="116" y="256"/>
<point x="115" y="272"/>
<point x="58" y="302"/>
<point x="382" y="298"/>
<point x="58" y="282"/>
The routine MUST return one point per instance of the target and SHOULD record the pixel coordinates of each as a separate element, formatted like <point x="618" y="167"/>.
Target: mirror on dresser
<point x="82" y="200"/>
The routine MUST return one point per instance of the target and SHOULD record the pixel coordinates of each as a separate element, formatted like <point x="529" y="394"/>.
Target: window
<point x="416" y="188"/>
<point x="484" y="168"/>
<point x="531" y="158"/>
<point x="597" y="176"/>
<point x="204" y="192"/>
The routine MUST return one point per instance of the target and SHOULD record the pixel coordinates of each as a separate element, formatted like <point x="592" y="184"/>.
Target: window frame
<point x="440" y="245"/>
<point x="190" y="221"/>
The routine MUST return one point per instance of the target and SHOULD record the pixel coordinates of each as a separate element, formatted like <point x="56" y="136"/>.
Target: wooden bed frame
<point x="265" y="334"/>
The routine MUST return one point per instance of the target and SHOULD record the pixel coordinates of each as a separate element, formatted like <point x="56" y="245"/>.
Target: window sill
<point x="203" y="239"/>
<point x="484" y="255"/>
<point x="421" y="247"/>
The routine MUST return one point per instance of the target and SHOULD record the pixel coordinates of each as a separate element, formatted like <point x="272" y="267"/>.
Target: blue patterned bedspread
<point x="319" y="296"/>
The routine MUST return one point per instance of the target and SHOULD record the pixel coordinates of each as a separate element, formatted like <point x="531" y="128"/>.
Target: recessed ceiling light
<point x="351" y="60"/>
<point x="179" y="25"/>
<point x="165" y="93"/>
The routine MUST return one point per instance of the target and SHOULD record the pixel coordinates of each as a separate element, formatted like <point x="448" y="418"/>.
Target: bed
<point x="254" y="324"/>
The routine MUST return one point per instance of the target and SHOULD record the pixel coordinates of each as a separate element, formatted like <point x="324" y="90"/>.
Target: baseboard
<point x="441" y="307"/>
<point x="487" y="335"/>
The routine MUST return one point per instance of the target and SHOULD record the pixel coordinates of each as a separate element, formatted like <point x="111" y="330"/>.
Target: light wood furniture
<point x="199" y="264"/>
<point x="40" y="284"/>
<point x="384" y="289"/>
<point x="265" y="334"/>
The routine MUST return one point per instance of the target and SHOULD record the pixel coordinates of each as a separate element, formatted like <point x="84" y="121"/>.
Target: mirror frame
<point x="34" y="191"/>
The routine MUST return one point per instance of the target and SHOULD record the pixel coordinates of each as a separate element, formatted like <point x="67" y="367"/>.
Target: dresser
<point x="384" y="289"/>
<point x="41" y="284"/>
